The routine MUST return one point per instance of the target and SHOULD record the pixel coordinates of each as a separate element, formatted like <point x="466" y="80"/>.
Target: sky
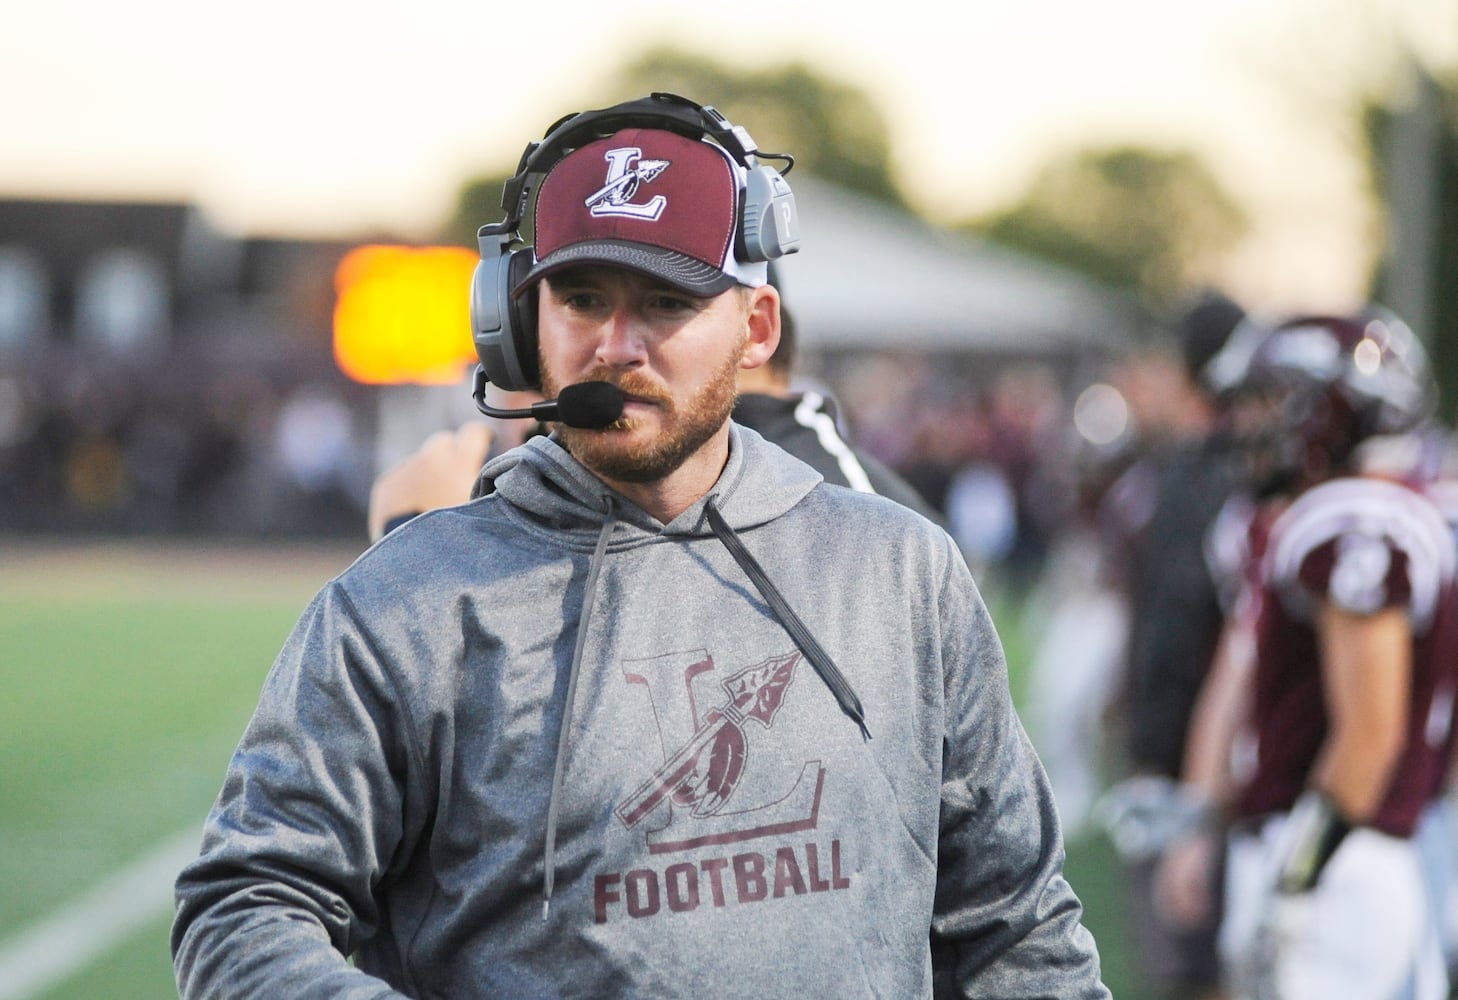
<point x="321" y="118"/>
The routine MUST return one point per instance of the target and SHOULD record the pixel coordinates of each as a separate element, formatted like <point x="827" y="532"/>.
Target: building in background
<point x="151" y="369"/>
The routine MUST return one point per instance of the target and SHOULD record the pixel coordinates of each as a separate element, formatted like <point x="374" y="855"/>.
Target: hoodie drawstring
<point x="589" y="593"/>
<point x="818" y="657"/>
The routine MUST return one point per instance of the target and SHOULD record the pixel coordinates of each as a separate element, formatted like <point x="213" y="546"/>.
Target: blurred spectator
<point x="323" y="465"/>
<point x="886" y="395"/>
<point x="1025" y="413"/>
<point x="982" y="514"/>
<point x="313" y="439"/>
<point x="1086" y="492"/>
<point x="1076" y="613"/>
<point x="1171" y="497"/>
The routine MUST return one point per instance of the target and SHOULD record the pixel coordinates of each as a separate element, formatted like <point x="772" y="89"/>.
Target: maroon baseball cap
<point x="648" y="200"/>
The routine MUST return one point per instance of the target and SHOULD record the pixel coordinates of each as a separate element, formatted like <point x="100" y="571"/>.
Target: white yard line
<point x="77" y="934"/>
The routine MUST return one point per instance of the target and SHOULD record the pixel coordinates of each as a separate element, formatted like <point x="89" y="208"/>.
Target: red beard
<point x="615" y="453"/>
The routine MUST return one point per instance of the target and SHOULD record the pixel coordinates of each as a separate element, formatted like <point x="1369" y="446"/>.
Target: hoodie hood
<point x="542" y="480"/>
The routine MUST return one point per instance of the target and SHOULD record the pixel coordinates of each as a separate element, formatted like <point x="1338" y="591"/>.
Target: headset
<point x="505" y="328"/>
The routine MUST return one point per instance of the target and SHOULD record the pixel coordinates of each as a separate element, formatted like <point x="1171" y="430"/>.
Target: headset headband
<point x="668" y="112"/>
<point x="765" y="226"/>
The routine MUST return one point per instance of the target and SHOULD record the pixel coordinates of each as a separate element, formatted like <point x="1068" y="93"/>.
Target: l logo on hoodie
<point x="705" y="760"/>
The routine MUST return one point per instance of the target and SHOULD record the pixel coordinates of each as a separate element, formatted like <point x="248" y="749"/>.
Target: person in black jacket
<point x="1174" y="620"/>
<point x="807" y="424"/>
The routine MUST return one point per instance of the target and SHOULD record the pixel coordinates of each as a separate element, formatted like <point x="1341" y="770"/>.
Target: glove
<point x="1143" y="815"/>
<point x="1314" y="831"/>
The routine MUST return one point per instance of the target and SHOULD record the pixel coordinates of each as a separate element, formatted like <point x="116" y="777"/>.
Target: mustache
<point x="632" y="384"/>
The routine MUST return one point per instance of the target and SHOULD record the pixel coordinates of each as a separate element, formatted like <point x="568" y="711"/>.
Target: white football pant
<point x="1364" y="933"/>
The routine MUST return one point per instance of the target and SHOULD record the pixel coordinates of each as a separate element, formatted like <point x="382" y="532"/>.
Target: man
<point x="659" y="714"/>
<point x="1175" y="614"/>
<point x="1334" y="685"/>
<point x="1161" y="511"/>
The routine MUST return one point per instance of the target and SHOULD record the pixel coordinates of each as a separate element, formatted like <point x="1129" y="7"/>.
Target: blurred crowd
<point x="1234" y="550"/>
<point x="105" y="447"/>
<point x="98" y="445"/>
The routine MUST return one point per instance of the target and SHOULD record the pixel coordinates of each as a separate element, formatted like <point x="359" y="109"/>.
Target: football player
<point x="1341" y="667"/>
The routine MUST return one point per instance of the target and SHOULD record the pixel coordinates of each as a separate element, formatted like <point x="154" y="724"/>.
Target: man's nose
<point x="623" y="340"/>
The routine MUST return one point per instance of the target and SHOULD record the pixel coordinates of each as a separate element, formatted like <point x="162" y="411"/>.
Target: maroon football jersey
<point x="1444" y="493"/>
<point x="1363" y="545"/>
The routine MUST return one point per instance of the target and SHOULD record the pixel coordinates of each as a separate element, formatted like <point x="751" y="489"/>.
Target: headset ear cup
<point x="523" y="310"/>
<point x="504" y="332"/>
<point x="769" y="221"/>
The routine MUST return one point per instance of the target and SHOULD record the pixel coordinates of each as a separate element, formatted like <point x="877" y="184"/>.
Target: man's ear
<point x="762" y="319"/>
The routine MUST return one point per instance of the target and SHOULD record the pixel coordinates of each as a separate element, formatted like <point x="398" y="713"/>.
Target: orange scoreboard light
<point x="402" y="315"/>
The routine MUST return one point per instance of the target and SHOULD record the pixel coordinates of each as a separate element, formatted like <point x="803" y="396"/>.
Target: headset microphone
<point x="586" y="405"/>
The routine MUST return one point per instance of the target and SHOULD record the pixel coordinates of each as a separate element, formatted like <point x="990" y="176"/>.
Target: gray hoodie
<point x="542" y="745"/>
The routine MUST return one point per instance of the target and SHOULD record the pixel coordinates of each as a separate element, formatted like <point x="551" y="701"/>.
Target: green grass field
<point x="129" y="673"/>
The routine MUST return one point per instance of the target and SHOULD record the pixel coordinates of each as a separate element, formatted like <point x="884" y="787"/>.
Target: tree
<point x="1412" y="157"/>
<point x="832" y="129"/>
<point x="1148" y="220"/>
<point x="1383" y="84"/>
<point x="479" y="202"/>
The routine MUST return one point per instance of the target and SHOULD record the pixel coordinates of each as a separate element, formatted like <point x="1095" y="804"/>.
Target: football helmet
<point x="1324" y="384"/>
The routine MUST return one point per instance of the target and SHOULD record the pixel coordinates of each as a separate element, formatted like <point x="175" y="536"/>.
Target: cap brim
<point x="678" y="270"/>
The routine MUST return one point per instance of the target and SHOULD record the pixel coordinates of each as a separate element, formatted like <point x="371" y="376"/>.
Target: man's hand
<point x="1184" y="879"/>
<point x="438" y="474"/>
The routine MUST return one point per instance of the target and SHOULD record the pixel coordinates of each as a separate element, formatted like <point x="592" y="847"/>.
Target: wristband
<point x="1315" y="829"/>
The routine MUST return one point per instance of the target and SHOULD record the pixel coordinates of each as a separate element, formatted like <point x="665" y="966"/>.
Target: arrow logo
<point x="703" y="773"/>
<point x="626" y="173"/>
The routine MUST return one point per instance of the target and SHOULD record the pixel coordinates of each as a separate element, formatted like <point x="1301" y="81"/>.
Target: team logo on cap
<point x="626" y="171"/>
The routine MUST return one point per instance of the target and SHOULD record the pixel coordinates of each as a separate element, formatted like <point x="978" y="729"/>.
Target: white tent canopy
<point x="870" y="277"/>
